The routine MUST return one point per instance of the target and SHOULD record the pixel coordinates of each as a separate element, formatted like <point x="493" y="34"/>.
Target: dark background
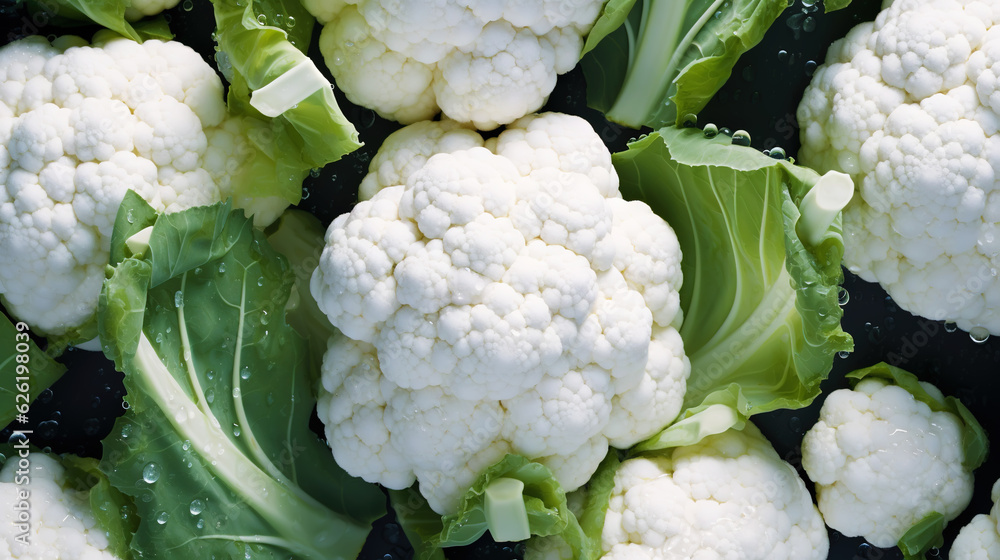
<point x="761" y="98"/>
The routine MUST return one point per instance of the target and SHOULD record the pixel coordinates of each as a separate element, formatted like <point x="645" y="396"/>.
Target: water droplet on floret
<point x="979" y="335"/>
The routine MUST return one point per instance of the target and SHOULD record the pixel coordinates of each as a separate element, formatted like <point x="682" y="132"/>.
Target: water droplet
<point x="710" y="130"/>
<point x="876" y="334"/>
<point x="129" y="217"/>
<point x="843" y="354"/>
<point x="210" y="374"/>
<point x="741" y="138"/>
<point x="125" y="512"/>
<point x="726" y="130"/>
<point x="843" y="296"/>
<point x="186" y="445"/>
<point x="262" y="19"/>
<point x="210" y="395"/>
<point x="222" y="268"/>
<point x="236" y="430"/>
<point x="178" y="299"/>
<point x="950" y="327"/>
<point x="127" y="431"/>
<point x="690" y="120"/>
<point x="290" y="22"/>
<point x="200" y="524"/>
<point x="48" y="429"/>
<point x="260" y="281"/>
<point x="809" y="24"/>
<point x="197" y="506"/>
<point x="277" y="19"/>
<point x="187" y="6"/>
<point x="337" y="60"/>
<point x="236" y="392"/>
<point x="159" y="338"/>
<point x="795" y="423"/>
<point x="162" y="518"/>
<point x="91" y="426"/>
<point x="979" y="335"/>
<point x="263" y="317"/>
<point x="314" y="173"/>
<point x="245" y="373"/>
<point x="151" y="473"/>
<point x="810" y="67"/>
<point x="777" y="152"/>
<point x="782" y="56"/>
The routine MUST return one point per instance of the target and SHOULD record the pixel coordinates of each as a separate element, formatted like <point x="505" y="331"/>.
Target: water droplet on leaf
<point x="151" y="473"/>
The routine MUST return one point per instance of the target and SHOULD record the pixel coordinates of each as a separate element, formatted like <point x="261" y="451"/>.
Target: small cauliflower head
<point x="882" y="460"/>
<point x="908" y="105"/>
<point x="496" y="297"/>
<point x="62" y="523"/>
<point x="729" y="496"/>
<point x="980" y="539"/>
<point x="79" y="126"/>
<point x="485" y="62"/>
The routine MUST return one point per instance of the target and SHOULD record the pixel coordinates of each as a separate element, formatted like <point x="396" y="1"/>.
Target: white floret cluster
<point x="909" y="106"/>
<point x="728" y="496"/>
<point x="62" y="524"/>
<point x="500" y="297"/>
<point x="479" y="61"/>
<point x="874" y="441"/>
<point x="79" y="126"/>
<point x="980" y="539"/>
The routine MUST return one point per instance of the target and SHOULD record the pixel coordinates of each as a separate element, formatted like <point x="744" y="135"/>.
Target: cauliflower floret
<point x="503" y="298"/>
<point x="871" y="440"/>
<point x="980" y="539"/>
<point x="728" y="496"/>
<point x="79" y="126"/>
<point x="907" y="106"/>
<point x="477" y="61"/>
<point x="62" y="524"/>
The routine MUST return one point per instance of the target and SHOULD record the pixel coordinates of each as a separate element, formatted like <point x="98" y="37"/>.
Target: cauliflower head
<point x="728" y="496"/>
<point x="478" y="61"/>
<point x="63" y="525"/>
<point x="909" y="106"/>
<point x="498" y="298"/>
<point x="874" y="440"/>
<point x="980" y="539"/>
<point x="79" y="126"/>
